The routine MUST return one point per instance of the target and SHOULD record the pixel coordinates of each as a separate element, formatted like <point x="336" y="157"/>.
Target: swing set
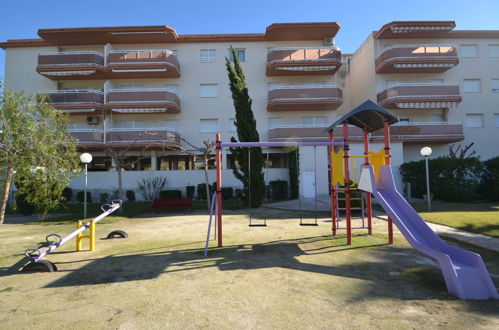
<point x="339" y="180"/>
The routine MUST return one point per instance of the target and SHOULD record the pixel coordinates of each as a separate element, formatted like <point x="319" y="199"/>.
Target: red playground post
<point x="218" y="159"/>
<point x="368" y="194"/>
<point x="386" y="133"/>
<point x="332" y="185"/>
<point x="346" y="157"/>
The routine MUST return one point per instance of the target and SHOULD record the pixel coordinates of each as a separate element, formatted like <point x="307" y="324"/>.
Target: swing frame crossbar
<point x="218" y="159"/>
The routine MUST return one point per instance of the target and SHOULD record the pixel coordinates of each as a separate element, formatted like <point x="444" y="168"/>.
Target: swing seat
<point x="257" y="225"/>
<point x="309" y="224"/>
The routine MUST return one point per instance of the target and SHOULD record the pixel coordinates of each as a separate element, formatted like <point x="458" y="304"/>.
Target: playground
<point x="286" y="269"/>
<point x="280" y="276"/>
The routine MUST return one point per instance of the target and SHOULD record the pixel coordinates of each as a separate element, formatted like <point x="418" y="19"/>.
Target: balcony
<point x="145" y="100"/>
<point x="417" y="59"/>
<point x="88" y="137"/>
<point x="148" y="137"/>
<point x="302" y="61"/>
<point x="143" y="64"/>
<point x="428" y="132"/>
<point x="420" y="96"/>
<point x="304" y="98"/>
<point x="76" y="101"/>
<point x="71" y="65"/>
<point x="412" y="132"/>
<point x="120" y="64"/>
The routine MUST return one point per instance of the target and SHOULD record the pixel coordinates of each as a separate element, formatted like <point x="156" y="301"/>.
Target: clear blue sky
<point x="22" y="19"/>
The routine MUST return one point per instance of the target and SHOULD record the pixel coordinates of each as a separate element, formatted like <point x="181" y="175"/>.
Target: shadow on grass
<point x="394" y="275"/>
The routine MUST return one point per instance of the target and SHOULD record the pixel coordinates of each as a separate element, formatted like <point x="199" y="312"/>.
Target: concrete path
<point x="483" y="241"/>
<point x="323" y="204"/>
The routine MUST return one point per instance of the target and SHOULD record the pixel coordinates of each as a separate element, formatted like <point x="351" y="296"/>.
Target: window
<point x="175" y="163"/>
<point x="496" y="119"/>
<point x="171" y="125"/>
<point x="474" y="120"/>
<point x="209" y="126"/>
<point x="437" y="118"/>
<point x="404" y="121"/>
<point x="494" y="85"/>
<point x="208" y="90"/>
<point x="469" y="50"/>
<point x="472" y="86"/>
<point x="493" y="50"/>
<point x="208" y="55"/>
<point x="314" y="121"/>
<point x="241" y="53"/>
<point x="232" y="125"/>
<point x="275" y="122"/>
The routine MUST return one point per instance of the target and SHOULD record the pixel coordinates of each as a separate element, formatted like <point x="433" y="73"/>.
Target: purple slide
<point x="465" y="273"/>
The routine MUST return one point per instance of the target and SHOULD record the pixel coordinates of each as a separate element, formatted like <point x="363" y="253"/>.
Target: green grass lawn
<point x="481" y="218"/>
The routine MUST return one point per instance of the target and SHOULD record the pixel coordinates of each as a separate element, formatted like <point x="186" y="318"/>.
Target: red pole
<point x="368" y="194"/>
<point x="386" y="134"/>
<point x="346" y="156"/>
<point x="218" y="159"/>
<point x="332" y="185"/>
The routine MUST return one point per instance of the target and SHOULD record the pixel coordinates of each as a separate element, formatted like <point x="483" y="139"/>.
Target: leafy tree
<point x="246" y="132"/>
<point x="35" y="146"/>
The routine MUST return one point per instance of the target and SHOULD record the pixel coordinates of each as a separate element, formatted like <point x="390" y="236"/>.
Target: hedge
<point x="279" y="189"/>
<point x="80" y="196"/>
<point x="170" y="194"/>
<point x="189" y="191"/>
<point x="130" y="195"/>
<point x="451" y="179"/>
<point x="490" y="182"/>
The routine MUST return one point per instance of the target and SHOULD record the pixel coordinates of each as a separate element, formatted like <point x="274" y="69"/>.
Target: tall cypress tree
<point x="245" y="123"/>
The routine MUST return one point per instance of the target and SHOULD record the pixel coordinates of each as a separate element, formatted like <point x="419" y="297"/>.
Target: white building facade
<point x="147" y="90"/>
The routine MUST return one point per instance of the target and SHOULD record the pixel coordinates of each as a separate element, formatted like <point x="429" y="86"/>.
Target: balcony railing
<point x="420" y="96"/>
<point x="60" y="65"/>
<point x="88" y="136"/>
<point x="147" y="136"/>
<point x="141" y="100"/>
<point x="162" y="63"/>
<point x="120" y="64"/>
<point x="302" y="61"/>
<point x="304" y="98"/>
<point x="417" y="59"/>
<point x="74" y="96"/>
<point x="411" y="132"/>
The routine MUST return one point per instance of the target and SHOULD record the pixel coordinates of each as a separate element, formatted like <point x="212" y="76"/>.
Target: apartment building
<point x="149" y="90"/>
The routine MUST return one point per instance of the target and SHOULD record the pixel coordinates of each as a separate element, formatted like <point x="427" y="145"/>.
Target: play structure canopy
<point x="368" y="115"/>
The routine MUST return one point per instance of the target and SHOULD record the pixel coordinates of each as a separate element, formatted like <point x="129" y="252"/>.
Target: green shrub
<point x="294" y="168"/>
<point x="130" y="195"/>
<point x="67" y="193"/>
<point x="279" y="189"/>
<point x="170" y="194"/>
<point x="238" y="194"/>
<point x="189" y="191"/>
<point x="80" y="196"/>
<point x="227" y="193"/>
<point x="451" y="179"/>
<point x="104" y="197"/>
<point x="23" y="206"/>
<point x="490" y="180"/>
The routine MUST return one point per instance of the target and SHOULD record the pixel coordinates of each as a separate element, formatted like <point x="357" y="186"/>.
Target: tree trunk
<point x="207" y="182"/>
<point x="6" y="191"/>
<point x="120" y="183"/>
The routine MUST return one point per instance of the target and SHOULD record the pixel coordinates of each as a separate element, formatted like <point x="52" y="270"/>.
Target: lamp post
<point x="426" y="152"/>
<point x="85" y="158"/>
